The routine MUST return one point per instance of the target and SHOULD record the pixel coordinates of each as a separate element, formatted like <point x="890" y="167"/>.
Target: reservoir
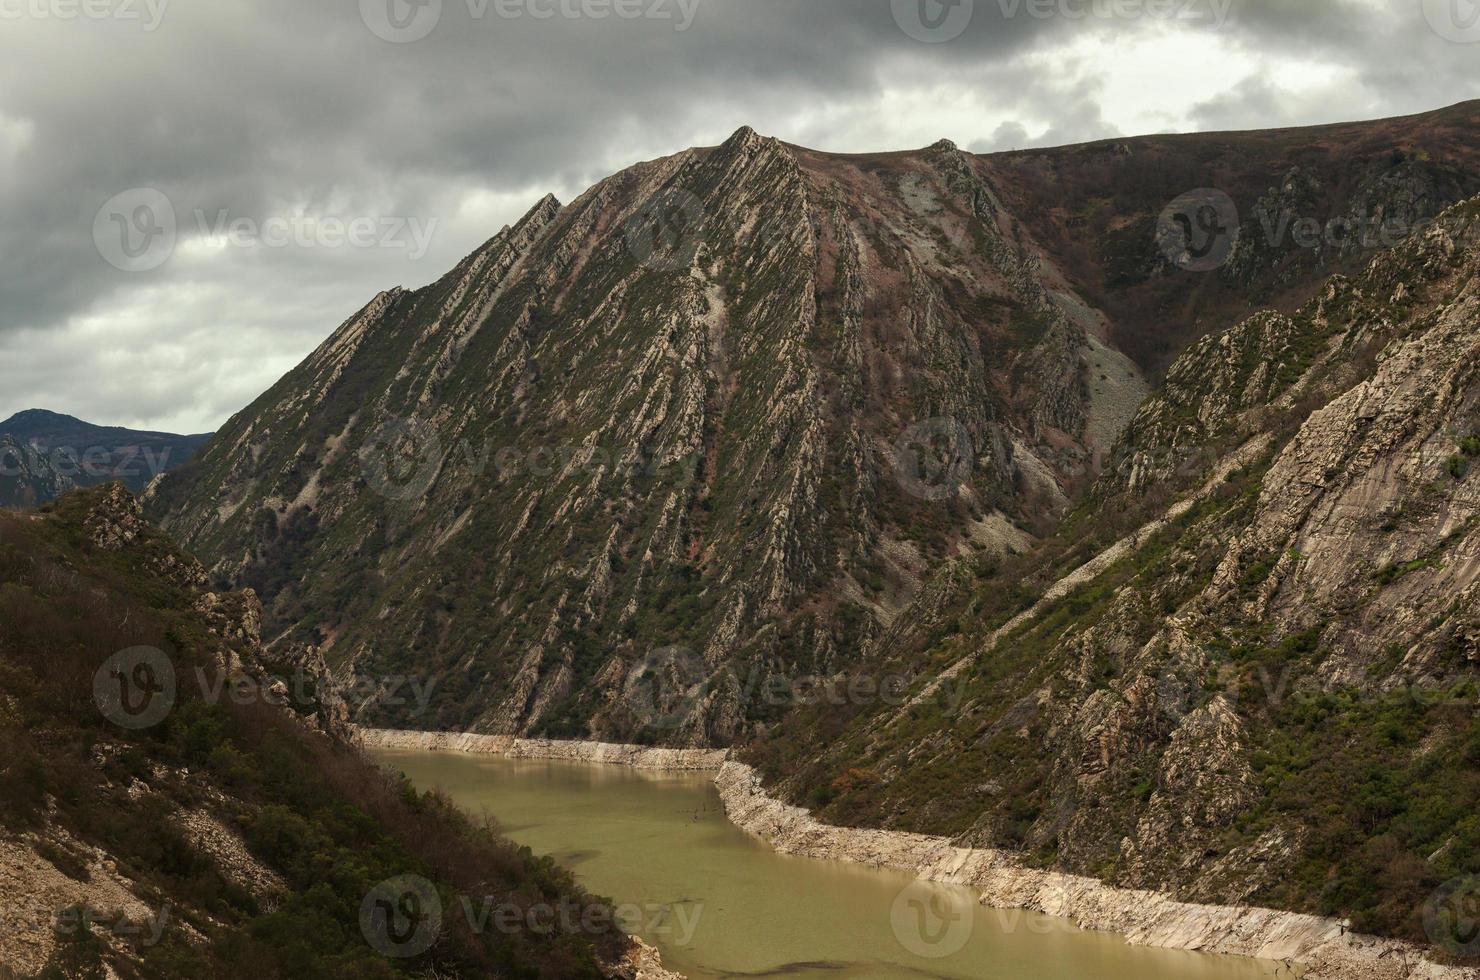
<point x="721" y="905"/>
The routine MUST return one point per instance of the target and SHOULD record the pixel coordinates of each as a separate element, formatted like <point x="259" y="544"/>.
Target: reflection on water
<point x="719" y="904"/>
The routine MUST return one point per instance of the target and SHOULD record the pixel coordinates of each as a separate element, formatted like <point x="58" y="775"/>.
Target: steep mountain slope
<point x="719" y="415"/>
<point x="214" y="822"/>
<point x="711" y="427"/>
<point x="1247" y="670"/>
<point x="43" y="454"/>
<point x="1358" y="187"/>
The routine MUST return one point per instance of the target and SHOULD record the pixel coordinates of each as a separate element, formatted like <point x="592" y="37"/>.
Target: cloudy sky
<point x="314" y="152"/>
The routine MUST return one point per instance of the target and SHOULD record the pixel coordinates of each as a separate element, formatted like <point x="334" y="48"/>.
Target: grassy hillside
<point x="233" y="836"/>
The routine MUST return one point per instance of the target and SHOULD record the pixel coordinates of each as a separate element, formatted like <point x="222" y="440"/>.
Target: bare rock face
<point x="116" y="520"/>
<point x="721" y="420"/>
<point x="1245" y="670"/>
<point x="27" y="478"/>
<point x="708" y="426"/>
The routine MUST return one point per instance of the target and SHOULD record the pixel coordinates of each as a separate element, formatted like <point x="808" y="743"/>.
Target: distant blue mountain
<point x="44" y="454"/>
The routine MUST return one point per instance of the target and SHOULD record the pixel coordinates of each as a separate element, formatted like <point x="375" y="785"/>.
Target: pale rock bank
<point x="1320" y="946"/>
<point x="509" y="747"/>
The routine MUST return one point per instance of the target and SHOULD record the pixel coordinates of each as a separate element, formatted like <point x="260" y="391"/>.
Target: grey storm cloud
<point x="272" y="126"/>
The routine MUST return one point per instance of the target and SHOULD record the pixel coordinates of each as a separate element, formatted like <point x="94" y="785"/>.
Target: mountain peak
<point x="32" y="416"/>
<point x="746" y="138"/>
<point x="944" y="145"/>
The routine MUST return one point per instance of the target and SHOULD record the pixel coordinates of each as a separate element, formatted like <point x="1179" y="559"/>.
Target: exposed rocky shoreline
<point x="1318" y="945"/>
<point x="1144" y="918"/>
<point x="635" y="756"/>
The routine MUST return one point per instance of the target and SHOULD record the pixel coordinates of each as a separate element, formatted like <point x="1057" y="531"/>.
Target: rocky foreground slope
<point x="177" y="804"/>
<point x="1247" y="670"/>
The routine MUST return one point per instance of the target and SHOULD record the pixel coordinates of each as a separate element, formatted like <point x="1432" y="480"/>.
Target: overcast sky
<point x="314" y="152"/>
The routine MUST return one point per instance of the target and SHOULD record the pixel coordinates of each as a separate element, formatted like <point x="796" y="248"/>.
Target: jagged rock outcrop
<point x="27" y="478"/>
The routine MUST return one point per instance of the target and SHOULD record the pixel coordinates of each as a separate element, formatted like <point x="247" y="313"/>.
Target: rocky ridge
<point x="714" y="413"/>
<point x="1184" y="704"/>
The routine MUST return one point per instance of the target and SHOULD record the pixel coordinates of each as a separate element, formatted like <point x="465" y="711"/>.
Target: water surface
<point x="720" y="904"/>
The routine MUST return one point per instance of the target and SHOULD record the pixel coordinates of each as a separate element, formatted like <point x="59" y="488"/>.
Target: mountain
<point x="1356" y="187"/>
<point x="1245" y="671"/>
<point x="43" y="454"/>
<point x="713" y="412"/>
<point x="719" y="423"/>
<point x="213" y="819"/>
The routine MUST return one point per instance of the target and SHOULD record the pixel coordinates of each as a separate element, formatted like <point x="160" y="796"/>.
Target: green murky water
<point x="719" y="904"/>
